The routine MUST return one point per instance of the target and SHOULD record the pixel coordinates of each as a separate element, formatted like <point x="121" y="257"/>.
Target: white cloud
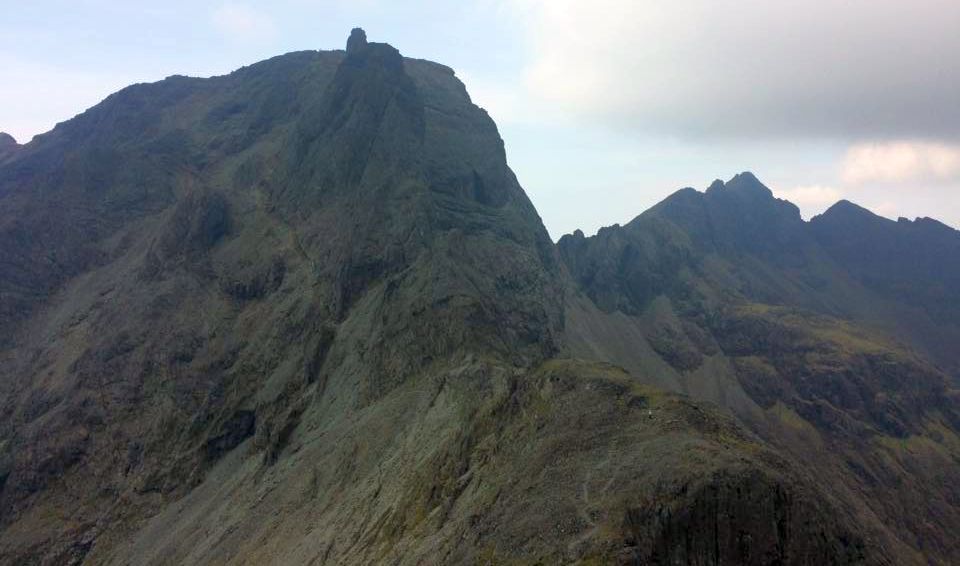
<point x="724" y="68"/>
<point x="241" y="22"/>
<point x="901" y="162"/>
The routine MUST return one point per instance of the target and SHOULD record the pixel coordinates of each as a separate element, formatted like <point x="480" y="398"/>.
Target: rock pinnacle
<point x="357" y="40"/>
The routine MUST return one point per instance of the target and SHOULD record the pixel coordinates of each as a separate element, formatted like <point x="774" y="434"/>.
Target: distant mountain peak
<point x="742" y="184"/>
<point x="746" y="177"/>
<point x="844" y="206"/>
<point x="844" y="211"/>
<point x="748" y="183"/>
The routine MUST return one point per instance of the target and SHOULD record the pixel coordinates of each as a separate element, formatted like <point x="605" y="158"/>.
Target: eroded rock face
<point x="729" y="296"/>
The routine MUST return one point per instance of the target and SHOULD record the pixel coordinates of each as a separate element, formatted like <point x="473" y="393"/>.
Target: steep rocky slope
<point x="304" y="313"/>
<point x="914" y="264"/>
<point x="798" y="328"/>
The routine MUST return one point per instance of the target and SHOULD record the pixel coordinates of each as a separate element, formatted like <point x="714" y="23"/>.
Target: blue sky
<point x="606" y="107"/>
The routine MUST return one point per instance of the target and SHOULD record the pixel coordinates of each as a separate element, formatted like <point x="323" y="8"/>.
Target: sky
<point x="606" y="107"/>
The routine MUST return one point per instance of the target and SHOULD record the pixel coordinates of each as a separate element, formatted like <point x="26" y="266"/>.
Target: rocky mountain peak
<point x="742" y="184"/>
<point x="846" y="209"/>
<point x="356" y="41"/>
<point x="741" y="208"/>
<point x="381" y="61"/>
<point x="845" y="216"/>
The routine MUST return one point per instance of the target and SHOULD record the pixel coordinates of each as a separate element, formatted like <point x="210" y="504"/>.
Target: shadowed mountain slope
<point x="824" y="338"/>
<point x="915" y="264"/>
<point x="304" y="313"/>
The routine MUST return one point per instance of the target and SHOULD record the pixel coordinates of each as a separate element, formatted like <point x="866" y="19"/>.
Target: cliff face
<point x="305" y="312"/>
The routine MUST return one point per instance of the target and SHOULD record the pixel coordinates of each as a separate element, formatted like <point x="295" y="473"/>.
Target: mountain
<point x="824" y="338"/>
<point x="912" y="264"/>
<point x="305" y="313"/>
